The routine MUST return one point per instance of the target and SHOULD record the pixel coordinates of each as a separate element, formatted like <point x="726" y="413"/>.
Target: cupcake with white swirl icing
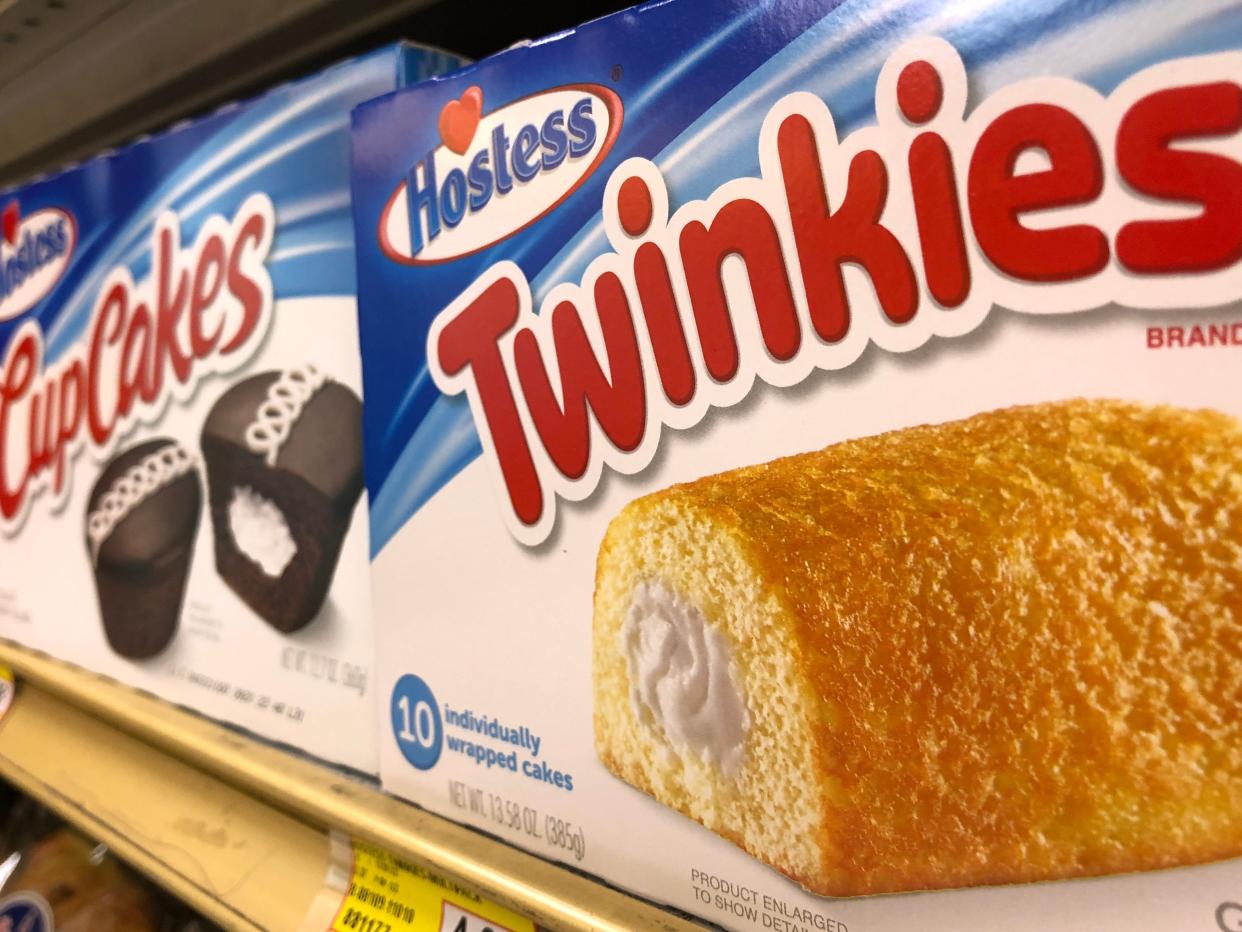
<point x="141" y="519"/>
<point x="283" y="451"/>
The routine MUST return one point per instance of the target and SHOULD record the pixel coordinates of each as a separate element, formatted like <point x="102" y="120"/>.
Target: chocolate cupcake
<point x="141" y="519"/>
<point x="283" y="452"/>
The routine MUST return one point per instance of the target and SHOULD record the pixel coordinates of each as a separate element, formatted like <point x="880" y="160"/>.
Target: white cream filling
<point x="682" y="677"/>
<point x="260" y="532"/>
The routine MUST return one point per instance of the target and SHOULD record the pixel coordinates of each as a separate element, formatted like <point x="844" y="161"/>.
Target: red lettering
<point x="21" y="364"/>
<point x="1180" y="337"/>
<point x="668" y="340"/>
<point x="470" y="340"/>
<point x="41" y="429"/>
<point x="208" y="280"/>
<point x="69" y="415"/>
<point x="112" y="310"/>
<point x="619" y="404"/>
<point x="135" y="355"/>
<point x="1149" y="163"/>
<point x="634" y="206"/>
<point x="920" y="92"/>
<point x="122" y="363"/>
<point x="244" y="288"/>
<point x="669" y="280"/>
<point x="741" y="228"/>
<point x="853" y="233"/>
<point x="169" y="309"/>
<point x="655" y="294"/>
<point x="998" y="197"/>
<point x="939" y="216"/>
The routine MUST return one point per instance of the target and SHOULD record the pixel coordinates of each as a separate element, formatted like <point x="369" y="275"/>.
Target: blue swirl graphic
<point x="292" y="143"/>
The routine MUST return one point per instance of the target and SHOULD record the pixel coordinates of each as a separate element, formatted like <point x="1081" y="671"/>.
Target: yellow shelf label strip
<point x="380" y="892"/>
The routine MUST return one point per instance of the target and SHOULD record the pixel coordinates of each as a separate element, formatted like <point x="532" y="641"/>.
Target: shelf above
<point x="64" y="719"/>
<point x="77" y="77"/>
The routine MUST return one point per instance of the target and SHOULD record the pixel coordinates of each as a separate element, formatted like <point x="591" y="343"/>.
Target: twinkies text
<point x="1046" y="198"/>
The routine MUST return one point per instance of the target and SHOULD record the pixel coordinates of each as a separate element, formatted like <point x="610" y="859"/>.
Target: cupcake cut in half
<point x="283" y="451"/>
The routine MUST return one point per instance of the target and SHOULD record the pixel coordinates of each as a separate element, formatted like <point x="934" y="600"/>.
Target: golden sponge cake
<point x="1002" y="649"/>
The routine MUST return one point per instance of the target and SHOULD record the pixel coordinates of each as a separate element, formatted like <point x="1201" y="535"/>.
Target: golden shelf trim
<point x="240" y="862"/>
<point x="556" y="898"/>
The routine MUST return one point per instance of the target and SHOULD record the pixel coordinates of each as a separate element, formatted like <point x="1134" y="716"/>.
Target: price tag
<point x="387" y="894"/>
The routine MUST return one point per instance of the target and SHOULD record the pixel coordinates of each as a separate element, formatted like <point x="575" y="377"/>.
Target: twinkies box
<point x="181" y="489"/>
<point x="805" y="463"/>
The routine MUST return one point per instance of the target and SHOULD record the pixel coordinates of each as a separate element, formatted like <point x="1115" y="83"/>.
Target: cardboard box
<point x="804" y="460"/>
<point x="180" y="438"/>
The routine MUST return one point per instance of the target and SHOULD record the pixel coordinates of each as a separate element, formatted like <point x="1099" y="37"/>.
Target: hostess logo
<point x="34" y="253"/>
<point x="495" y="174"/>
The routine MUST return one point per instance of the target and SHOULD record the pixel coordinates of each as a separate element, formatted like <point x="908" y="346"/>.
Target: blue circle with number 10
<point x="416" y="722"/>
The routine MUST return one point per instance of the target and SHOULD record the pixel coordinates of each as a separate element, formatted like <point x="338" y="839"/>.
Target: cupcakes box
<point x="180" y="420"/>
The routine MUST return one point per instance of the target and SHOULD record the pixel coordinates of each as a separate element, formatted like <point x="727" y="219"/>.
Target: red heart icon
<point x="460" y="118"/>
<point x="11" y="219"/>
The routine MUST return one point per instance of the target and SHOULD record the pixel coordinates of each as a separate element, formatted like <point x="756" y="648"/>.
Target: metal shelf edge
<point x="553" y="896"/>
<point x="199" y="838"/>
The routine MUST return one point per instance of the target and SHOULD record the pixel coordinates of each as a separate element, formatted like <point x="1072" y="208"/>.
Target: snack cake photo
<point x="835" y="657"/>
<point x="284" y="454"/>
<point x="804" y="457"/>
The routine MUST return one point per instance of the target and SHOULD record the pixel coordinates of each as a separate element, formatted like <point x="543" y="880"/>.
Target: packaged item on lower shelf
<point x="54" y="878"/>
<point x="804" y="446"/>
<point x="181" y="488"/>
<point x="63" y="879"/>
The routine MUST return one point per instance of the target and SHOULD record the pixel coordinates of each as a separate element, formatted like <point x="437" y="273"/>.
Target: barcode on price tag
<point x="387" y="894"/>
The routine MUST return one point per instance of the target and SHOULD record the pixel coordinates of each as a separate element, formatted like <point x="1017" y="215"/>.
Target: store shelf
<point x="80" y="75"/>
<point x="65" y="720"/>
<point x="241" y="863"/>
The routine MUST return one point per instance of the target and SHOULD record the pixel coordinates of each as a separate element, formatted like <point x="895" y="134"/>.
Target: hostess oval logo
<point x="496" y="173"/>
<point x="34" y="252"/>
